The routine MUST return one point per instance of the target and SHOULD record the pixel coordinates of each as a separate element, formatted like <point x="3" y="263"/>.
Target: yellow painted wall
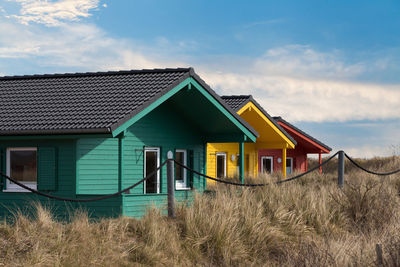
<point x="250" y="153"/>
<point x="270" y="138"/>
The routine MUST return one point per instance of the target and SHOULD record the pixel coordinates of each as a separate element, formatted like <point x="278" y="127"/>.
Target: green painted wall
<point x="169" y="130"/>
<point x="97" y="166"/>
<point x="65" y="184"/>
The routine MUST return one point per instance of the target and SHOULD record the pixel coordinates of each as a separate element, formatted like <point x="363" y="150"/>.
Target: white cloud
<point x="77" y="47"/>
<point x="52" y="13"/>
<point x="301" y="84"/>
<point x="299" y="61"/>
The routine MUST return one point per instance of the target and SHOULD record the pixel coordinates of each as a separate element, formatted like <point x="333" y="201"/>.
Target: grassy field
<point x="308" y="222"/>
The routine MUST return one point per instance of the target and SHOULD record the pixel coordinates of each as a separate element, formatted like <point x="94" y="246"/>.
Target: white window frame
<point x="182" y="185"/>
<point x="291" y="165"/>
<point x="262" y="163"/>
<point x="216" y="163"/>
<point x="152" y="149"/>
<point x="11" y="187"/>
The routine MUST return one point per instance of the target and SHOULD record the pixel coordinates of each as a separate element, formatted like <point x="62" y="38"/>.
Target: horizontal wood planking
<point x="165" y="129"/>
<point x="232" y="166"/>
<point x="97" y="165"/>
<point x="24" y="202"/>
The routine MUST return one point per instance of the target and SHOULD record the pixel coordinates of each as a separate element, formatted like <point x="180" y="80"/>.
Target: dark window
<point x="266" y="164"/>
<point x="180" y="172"/>
<point x="221" y="165"/>
<point x="289" y="165"/>
<point x="151" y="164"/>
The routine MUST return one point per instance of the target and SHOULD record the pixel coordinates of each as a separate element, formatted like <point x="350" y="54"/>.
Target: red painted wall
<point x="298" y="155"/>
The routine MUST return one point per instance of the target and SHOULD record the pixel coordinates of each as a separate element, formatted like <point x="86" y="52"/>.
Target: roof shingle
<point x="85" y="101"/>
<point x="236" y="102"/>
<point x="96" y="102"/>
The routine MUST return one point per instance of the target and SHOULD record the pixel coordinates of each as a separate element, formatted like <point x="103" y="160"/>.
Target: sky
<point x="332" y="68"/>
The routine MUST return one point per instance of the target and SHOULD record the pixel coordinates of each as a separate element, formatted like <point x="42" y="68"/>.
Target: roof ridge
<point x="236" y="96"/>
<point x="99" y="73"/>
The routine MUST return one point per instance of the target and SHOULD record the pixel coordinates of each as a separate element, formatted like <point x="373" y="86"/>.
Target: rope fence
<point x="368" y="171"/>
<point x="86" y="199"/>
<point x="254" y="185"/>
<point x="171" y="180"/>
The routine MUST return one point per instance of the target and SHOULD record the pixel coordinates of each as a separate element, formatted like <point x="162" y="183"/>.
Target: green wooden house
<point x="90" y="134"/>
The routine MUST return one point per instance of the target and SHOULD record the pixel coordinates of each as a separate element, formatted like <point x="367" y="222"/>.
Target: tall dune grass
<point x="309" y="222"/>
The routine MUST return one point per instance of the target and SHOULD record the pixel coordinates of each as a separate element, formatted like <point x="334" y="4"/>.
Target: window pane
<point x="151" y="165"/>
<point x="180" y="157"/>
<point x="288" y="162"/>
<point x="267" y="165"/>
<point x="220" y="166"/>
<point x="23" y="165"/>
<point x="289" y="166"/>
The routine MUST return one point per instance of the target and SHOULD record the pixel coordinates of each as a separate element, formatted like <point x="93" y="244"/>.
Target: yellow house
<point x="223" y="159"/>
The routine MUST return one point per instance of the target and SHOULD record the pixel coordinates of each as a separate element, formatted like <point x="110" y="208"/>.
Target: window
<point x="151" y="163"/>
<point x="180" y="172"/>
<point x="221" y="165"/>
<point x="289" y="165"/>
<point x="267" y="164"/>
<point x="22" y="166"/>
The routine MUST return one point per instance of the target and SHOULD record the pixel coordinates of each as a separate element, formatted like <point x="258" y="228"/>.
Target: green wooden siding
<point x="65" y="169"/>
<point x="47" y="169"/>
<point x="168" y="130"/>
<point x="97" y="166"/>
<point x="137" y="205"/>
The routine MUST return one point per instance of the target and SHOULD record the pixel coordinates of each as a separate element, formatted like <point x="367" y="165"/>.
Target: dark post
<point x="341" y="169"/>
<point x="170" y="185"/>
<point x="379" y="254"/>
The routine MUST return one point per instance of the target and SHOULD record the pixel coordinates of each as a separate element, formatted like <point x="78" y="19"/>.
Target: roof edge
<point x="251" y="99"/>
<point x="146" y="104"/>
<point x="223" y="103"/>
<point x="99" y="73"/>
<point x="279" y="118"/>
<point x="56" y="132"/>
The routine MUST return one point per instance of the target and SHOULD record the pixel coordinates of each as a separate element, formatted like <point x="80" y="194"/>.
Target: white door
<point x="289" y="165"/>
<point x="267" y="164"/>
<point x="221" y="165"/>
<point x="180" y="172"/>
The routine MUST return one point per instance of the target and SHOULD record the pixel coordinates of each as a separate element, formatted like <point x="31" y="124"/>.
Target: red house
<point x="270" y="160"/>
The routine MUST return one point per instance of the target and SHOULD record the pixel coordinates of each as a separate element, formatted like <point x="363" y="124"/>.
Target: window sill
<point x="16" y="190"/>
<point x="183" y="189"/>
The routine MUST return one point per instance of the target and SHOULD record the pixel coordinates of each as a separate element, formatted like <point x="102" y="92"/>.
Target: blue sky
<point x="329" y="67"/>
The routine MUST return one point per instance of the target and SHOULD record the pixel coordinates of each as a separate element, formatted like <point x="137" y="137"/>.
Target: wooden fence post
<point x="170" y="185"/>
<point x="379" y="254"/>
<point x="341" y="169"/>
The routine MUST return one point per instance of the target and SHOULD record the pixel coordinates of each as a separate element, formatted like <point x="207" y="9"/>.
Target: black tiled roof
<point x="236" y="102"/>
<point x="303" y="133"/>
<point x="85" y="102"/>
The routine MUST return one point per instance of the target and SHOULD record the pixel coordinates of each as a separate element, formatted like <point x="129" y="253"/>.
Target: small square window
<point x="22" y="166"/>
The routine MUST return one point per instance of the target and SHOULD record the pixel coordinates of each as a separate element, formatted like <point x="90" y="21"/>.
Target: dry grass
<point x="309" y="222"/>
